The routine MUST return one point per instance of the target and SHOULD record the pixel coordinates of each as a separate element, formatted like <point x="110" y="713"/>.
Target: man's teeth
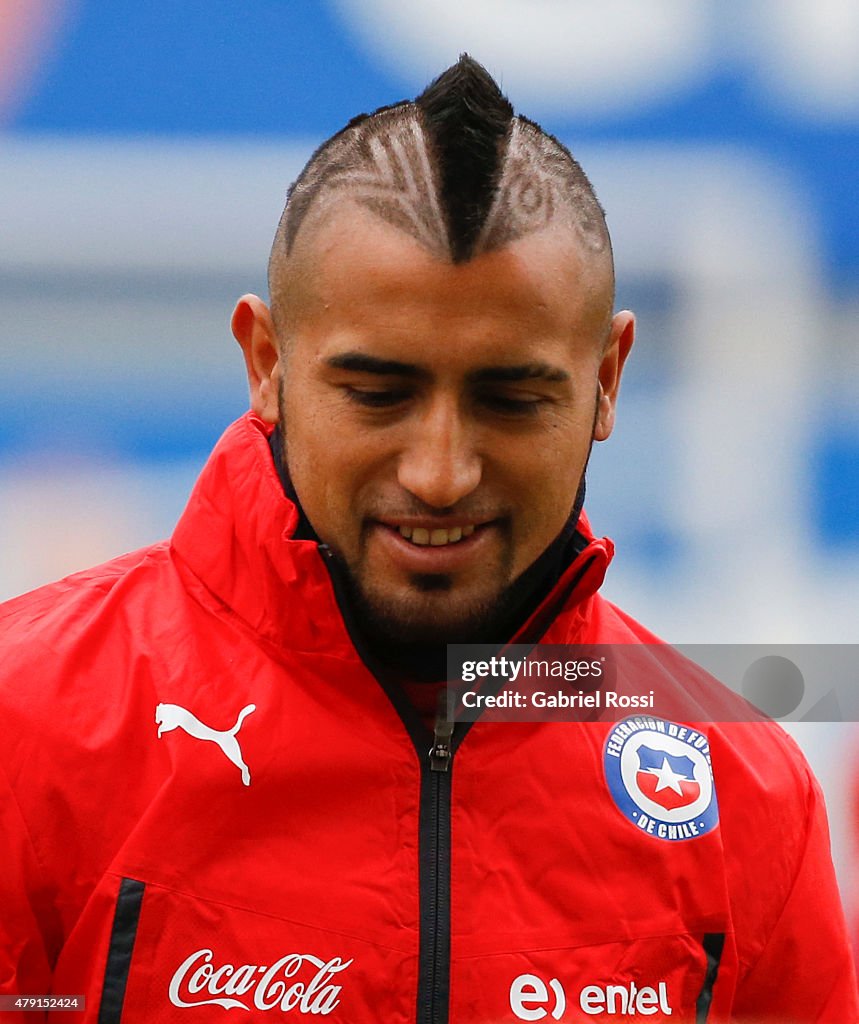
<point x="436" y="538"/>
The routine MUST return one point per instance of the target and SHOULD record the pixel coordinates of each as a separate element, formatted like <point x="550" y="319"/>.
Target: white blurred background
<point x="145" y="152"/>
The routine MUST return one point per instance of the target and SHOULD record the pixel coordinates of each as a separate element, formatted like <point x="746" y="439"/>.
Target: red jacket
<point x="213" y="804"/>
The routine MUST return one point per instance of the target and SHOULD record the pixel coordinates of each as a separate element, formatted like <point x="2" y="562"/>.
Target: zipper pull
<point x="441" y="753"/>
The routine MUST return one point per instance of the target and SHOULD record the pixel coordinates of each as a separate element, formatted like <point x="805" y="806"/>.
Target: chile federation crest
<point x="660" y="777"/>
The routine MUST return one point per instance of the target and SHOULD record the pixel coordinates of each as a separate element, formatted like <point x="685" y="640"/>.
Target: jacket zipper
<point x="433" y="990"/>
<point x="434" y="968"/>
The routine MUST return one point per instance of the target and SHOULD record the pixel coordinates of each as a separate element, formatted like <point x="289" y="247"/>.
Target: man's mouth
<point x="421" y="536"/>
<point x="421" y="545"/>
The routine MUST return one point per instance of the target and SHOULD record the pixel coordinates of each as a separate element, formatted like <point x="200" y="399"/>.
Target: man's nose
<point x="440" y="464"/>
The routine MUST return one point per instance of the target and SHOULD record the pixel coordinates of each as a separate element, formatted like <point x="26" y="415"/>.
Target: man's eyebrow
<point x="527" y="371"/>
<point x="362" y="363"/>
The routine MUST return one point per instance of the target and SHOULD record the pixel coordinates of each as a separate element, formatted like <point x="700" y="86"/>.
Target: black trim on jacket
<point x="122" y="936"/>
<point x="714" y="944"/>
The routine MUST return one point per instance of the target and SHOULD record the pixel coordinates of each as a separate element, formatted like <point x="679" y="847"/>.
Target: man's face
<point x="438" y="417"/>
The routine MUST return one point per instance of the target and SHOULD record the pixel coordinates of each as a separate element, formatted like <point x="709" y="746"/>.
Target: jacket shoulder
<point x="62" y="643"/>
<point x="613" y="625"/>
<point x="56" y="605"/>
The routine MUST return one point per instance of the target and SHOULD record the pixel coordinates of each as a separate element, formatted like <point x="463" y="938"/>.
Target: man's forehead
<point x="344" y="239"/>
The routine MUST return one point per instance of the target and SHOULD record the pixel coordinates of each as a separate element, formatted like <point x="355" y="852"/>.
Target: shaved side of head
<point x="456" y="169"/>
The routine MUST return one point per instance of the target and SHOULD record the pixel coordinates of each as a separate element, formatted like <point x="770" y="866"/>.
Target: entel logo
<point x="529" y="997"/>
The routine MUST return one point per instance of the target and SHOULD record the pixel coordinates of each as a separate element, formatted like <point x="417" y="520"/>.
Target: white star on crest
<point x="668" y="778"/>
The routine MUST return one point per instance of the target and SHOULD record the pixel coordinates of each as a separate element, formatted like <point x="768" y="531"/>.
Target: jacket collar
<point x="236" y="536"/>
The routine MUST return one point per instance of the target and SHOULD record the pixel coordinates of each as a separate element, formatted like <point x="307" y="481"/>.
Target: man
<point x="228" y="787"/>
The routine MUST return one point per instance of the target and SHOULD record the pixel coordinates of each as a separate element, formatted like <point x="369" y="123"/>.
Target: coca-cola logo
<point x="299" y="982"/>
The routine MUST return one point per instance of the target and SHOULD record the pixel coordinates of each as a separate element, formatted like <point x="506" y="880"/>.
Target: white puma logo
<point x="172" y="716"/>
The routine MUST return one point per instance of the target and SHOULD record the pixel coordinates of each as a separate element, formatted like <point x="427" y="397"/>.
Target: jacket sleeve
<point x="805" y="971"/>
<point x="24" y="966"/>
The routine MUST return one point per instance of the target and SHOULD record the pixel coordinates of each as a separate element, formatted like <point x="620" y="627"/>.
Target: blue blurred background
<point x="144" y="158"/>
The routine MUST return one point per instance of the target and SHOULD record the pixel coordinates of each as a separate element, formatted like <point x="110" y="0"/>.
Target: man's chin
<point x="429" y="613"/>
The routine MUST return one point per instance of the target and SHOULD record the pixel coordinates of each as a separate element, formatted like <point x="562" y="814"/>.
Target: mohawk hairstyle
<point x="456" y="169"/>
<point x="468" y="120"/>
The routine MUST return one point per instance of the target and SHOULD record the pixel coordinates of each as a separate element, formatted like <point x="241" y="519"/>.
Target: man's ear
<point x="253" y="329"/>
<point x="621" y="337"/>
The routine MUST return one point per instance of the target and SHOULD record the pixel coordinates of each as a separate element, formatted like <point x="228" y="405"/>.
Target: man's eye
<point x="516" y="406"/>
<point x="377" y="399"/>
